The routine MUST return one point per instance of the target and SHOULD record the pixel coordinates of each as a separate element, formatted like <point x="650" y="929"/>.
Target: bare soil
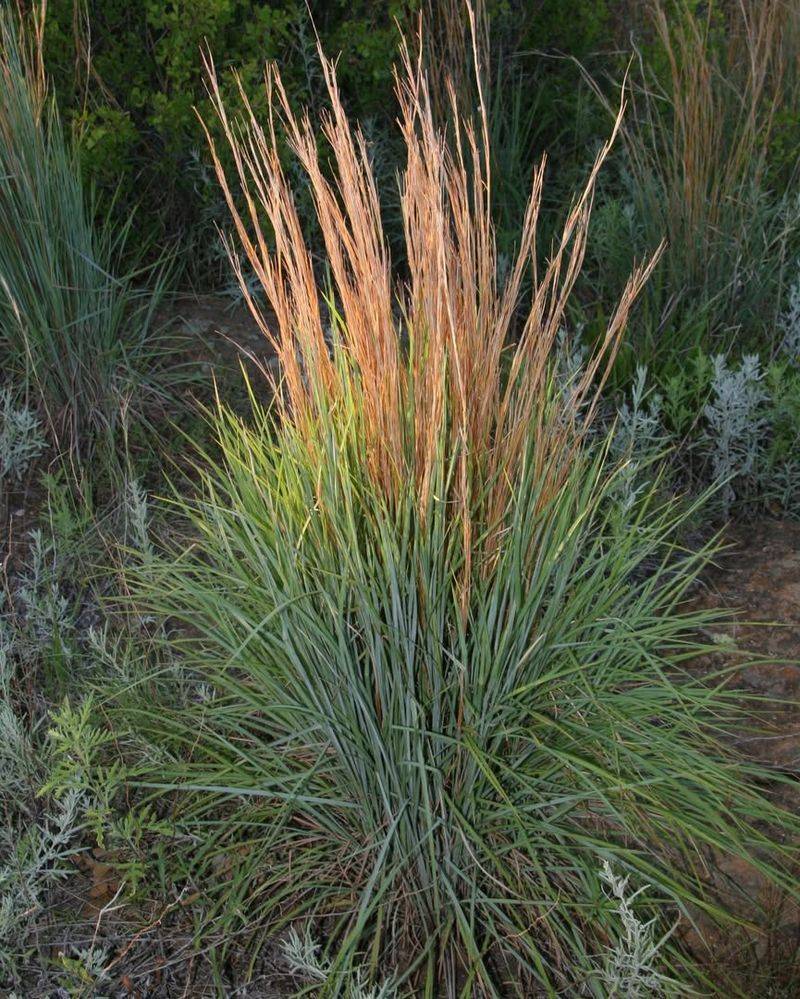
<point x="757" y="580"/>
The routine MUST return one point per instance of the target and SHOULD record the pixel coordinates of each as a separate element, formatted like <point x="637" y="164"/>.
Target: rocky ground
<point x="758" y="579"/>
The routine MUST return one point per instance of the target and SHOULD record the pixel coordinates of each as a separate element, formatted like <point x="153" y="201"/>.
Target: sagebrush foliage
<point x="21" y="437"/>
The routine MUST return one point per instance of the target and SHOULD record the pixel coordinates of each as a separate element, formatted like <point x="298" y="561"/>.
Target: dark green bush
<point x="129" y="76"/>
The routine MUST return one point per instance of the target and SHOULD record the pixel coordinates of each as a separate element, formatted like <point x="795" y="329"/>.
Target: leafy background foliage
<point x="129" y="78"/>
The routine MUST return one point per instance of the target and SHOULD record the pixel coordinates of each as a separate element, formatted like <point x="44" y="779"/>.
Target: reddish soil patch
<point x="758" y="579"/>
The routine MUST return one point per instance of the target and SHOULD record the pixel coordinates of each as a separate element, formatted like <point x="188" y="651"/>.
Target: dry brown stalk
<point x="447" y="351"/>
<point x="724" y="85"/>
<point x="31" y="51"/>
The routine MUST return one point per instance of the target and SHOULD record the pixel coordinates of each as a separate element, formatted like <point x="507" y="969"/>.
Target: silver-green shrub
<point x="36" y="836"/>
<point x="21" y="437"/>
<point x="789" y="326"/>
<point x="638" y="438"/>
<point x="735" y="424"/>
<point x="631" y="967"/>
<point x="304" y="957"/>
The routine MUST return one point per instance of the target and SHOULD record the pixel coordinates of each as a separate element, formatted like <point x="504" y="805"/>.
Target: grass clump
<point x="75" y="330"/>
<point x="445" y="679"/>
<point x="702" y="147"/>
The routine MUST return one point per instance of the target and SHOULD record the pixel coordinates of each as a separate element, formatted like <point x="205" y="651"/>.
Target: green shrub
<point x="129" y="77"/>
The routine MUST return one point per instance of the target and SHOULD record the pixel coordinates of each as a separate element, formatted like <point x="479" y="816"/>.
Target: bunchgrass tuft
<point x="699" y="142"/>
<point x="447" y="677"/>
<point x="71" y="326"/>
